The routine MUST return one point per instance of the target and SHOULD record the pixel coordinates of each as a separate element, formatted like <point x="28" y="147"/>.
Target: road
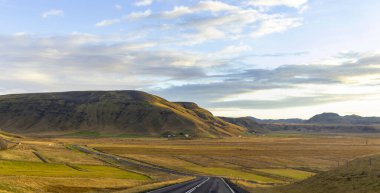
<point x="125" y="162"/>
<point x="201" y="185"/>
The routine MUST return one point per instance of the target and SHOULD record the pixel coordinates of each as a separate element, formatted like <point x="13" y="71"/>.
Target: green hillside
<point x="361" y="175"/>
<point x="132" y="112"/>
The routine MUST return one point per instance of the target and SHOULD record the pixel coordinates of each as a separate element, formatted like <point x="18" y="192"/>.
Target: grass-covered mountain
<point x="326" y="118"/>
<point x="294" y="120"/>
<point x="325" y="122"/>
<point x="132" y="112"/>
<point x="361" y="175"/>
<point x="246" y="122"/>
<point x="333" y="118"/>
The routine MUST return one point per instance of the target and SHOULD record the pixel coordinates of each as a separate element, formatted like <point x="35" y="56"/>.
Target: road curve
<point x="198" y="185"/>
<point x="125" y="162"/>
<point x="201" y="185"/>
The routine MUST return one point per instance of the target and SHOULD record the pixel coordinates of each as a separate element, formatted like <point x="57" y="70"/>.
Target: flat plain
<point x="252" y="162"/>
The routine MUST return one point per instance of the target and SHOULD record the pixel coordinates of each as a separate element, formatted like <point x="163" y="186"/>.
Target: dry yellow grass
<point x="26" y="184"/>
<point x="321" y="152"/>
<point x="265" y="159"/>
<point x="154" y="186"/>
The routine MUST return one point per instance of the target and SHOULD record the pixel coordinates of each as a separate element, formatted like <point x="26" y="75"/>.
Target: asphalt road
<point x="125" y="162"/>
<point x="201" y="185"/>
<point x="198" y="185"/>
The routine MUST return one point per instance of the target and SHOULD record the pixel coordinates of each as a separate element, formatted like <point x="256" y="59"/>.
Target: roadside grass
<point x="289" y="173"/>
<point x="155" y="186"/>
<point x="31" y="184"/>
<point x="235" y="174"/>
<point x="24" y="168"/>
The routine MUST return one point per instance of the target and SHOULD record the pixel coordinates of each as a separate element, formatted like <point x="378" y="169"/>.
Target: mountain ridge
<point x="325" y="118"/>
<point x="109" y="111"/>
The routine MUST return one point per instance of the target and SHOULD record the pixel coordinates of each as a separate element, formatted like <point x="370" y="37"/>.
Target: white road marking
<point x="167" y="187"/>
<point x="232" y="191"/>
<point x="199" y="185"/>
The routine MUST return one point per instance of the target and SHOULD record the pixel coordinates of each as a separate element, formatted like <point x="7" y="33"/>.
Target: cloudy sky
<point x="263" y="58"/>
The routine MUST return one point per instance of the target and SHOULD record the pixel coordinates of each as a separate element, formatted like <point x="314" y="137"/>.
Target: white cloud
<point x="131" y="16"/>
<point x="85" y="61"/>
<point x="109" y="22"/>
<point x="228" y="22"/>
<point x="177" y="11"/>
<point x="139" y="15"/>
<point x="212" y="6"/>
<point x="276" y="25"/>
<point x="141" y="3"/>
<point x="272" y="3"/>
<point x="233" y="50"/>
<point x="205" y="34"/>
<point x="53" y="13"/>
<point x="219" y="21"/>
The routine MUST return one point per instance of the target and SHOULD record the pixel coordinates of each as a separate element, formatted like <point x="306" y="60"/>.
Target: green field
<point x="253" y="162"/>
<point x="360" y="175"/>
<point x="289" y="173"/>
<point x="24" y="168"/>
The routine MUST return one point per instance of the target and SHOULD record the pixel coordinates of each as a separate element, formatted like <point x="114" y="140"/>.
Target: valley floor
<point x="257" y="162"/>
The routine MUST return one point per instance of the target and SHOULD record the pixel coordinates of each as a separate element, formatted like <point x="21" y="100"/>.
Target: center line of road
<point x="199" y="185"/>
<point x="232" y="191"/>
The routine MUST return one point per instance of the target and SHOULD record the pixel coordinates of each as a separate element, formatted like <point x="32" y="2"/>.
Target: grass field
<point x="361" y="175"/>
<point x="24" y="168"/>
<point x="252" y="162"/>
<point x="289" y="173"/>
<point x="265" y="159"/>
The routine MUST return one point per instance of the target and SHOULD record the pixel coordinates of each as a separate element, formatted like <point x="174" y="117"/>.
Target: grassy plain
<point x="273" y="159"/>
<point x="61" y="168"/>
<point x="257" y="161"/>
<point x="25" y="168"/>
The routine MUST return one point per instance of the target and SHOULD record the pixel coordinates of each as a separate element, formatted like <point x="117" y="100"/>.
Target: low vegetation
<point x="288" y="173"/>
<point x="361" y="175"/>
<point x="3" y="144"/>
<point x="115" y="112"/>
<point x="252" y="162"/>
<point x="24" y="168"/>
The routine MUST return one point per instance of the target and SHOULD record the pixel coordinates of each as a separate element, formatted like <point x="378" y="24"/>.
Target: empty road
<point x="201" y="185"/>
<point x="198" y="185"/>
<point x="125" y="162"/>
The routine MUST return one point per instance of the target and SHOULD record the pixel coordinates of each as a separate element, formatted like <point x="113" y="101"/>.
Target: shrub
<point x="3" y="144"/>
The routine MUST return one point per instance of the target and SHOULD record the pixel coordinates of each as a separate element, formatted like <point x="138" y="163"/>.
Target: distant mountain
<point x="131" y="112"/>
<point x="333" y="118"/>
<point x="325" y="122"/>
<point x="246" y="122"/>
<point x="294" y="120"/>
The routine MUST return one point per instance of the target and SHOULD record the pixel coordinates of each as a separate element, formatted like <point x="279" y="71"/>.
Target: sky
<point x="261" y="58"/>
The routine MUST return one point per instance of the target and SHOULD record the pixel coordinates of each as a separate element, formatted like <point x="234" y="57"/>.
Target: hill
<point x="246" y="122"/>
<point x="131" y="112"/>
<point x="333" y="118"/>
<point x="361" y="175"/>
<point x="294" y="120"/>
